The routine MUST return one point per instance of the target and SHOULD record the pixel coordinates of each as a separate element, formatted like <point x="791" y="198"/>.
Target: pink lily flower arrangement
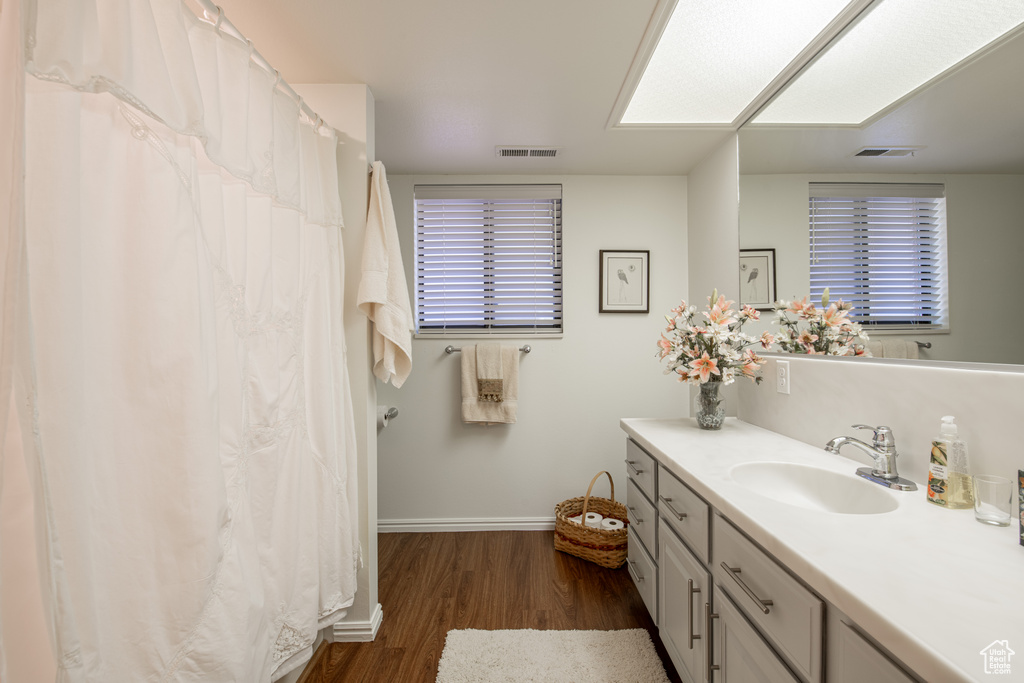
<point x="828" y="332"/>
<point x="713" y="349"/>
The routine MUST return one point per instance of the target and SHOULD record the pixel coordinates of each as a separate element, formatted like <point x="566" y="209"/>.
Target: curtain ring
<point x="220" y="18"/>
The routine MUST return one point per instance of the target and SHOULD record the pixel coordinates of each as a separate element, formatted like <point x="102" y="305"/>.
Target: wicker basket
<point x="606" y="547"/>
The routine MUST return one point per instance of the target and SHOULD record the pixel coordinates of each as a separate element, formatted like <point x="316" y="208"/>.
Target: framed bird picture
<point x="757" y="278"/>
<point x="625" y="281"/>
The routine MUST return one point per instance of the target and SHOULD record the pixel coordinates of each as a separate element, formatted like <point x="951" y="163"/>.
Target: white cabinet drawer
<point x="644" y="573"/>
<point x="793" y="619"/>
<point x="643" y="519"/>
<point x="641" y="468"/>
<point x="685" y="512"/>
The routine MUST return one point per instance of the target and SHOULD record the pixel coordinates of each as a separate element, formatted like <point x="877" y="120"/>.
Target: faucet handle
<point x="883" y="436"/>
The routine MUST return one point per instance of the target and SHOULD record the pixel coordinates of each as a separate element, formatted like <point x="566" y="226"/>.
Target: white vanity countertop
<point x="933" y="586"/>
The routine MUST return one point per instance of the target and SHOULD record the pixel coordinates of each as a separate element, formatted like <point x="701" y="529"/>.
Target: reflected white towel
<point x="489" y="412"/>
<point x="383" y="293"/>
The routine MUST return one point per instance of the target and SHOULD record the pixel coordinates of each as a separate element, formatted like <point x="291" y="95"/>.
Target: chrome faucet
<point x="883" y="451"/>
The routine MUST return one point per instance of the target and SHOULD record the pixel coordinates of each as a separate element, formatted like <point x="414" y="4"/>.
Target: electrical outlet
<point x="783" y="381"/>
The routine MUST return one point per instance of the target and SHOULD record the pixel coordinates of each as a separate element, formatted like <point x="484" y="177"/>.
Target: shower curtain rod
<point x="216" y="15"/>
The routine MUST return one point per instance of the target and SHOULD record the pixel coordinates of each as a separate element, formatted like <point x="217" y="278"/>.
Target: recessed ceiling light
<point x="714" y="58"/>
<point x="892" y="50"/>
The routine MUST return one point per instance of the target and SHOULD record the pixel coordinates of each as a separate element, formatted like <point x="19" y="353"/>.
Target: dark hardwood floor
<point x="431" y="583"/>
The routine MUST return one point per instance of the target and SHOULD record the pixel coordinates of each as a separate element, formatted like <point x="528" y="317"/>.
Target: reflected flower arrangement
<point x="825" y="331"/>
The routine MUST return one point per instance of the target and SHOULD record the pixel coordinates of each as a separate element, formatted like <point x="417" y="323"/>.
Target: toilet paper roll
<point x="611" y="524"/>
<point x="594" y="520"/>
<point x="578" y="519"/>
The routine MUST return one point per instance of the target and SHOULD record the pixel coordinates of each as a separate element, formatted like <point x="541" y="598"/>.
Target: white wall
<point x="985" y="239"/>
<point x="830" y="394"/>
<point x="714" y="224"/>
<point x="437" y="473"/>
<point x="713" y="218"/>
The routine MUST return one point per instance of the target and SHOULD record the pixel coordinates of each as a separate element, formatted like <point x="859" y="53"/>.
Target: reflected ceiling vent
<point x="522" y="152"/>
<point x="887" y="151"/>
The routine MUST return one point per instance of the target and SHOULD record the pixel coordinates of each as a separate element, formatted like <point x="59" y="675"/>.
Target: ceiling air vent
<point x="887" y="151"/>
<point x="508" y="151"/>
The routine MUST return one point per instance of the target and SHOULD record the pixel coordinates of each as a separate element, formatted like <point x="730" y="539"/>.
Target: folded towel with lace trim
<point x="490" y="383"/>
<point x="489" y="376"/>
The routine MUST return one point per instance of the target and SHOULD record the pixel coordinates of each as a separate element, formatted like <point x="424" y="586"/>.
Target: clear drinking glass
<point x="992" y="496"/>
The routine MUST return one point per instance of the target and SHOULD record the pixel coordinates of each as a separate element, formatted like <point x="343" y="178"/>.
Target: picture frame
<point x="757" y="278"/>
<point x="624" y="282"/>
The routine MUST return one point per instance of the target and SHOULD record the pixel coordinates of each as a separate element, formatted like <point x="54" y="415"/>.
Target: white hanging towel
<point x="383" y="294"/>
<point x="490" y="383"/>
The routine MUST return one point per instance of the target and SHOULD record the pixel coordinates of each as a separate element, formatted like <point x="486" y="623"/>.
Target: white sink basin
<point x="812" y="488"/>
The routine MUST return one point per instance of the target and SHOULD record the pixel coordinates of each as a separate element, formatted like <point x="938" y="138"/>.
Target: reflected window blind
<point x="488" y="259"/>
<point x="881" y="247"/>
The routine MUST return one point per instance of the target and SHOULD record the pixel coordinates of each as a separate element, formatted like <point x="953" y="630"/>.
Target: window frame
<point x="548" y="288"/>
<point x="912" y="213"/>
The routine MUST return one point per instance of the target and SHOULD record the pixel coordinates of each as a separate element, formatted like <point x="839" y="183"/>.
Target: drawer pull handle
<point x="689" y="612"/>
<point x="763" y="605"/>
<point x="632" y="465"/>
<point x="639" y="520"/>
<point x="708" y="616"/>
<point x="668" y="503"/>
<point x="636" y="577"/>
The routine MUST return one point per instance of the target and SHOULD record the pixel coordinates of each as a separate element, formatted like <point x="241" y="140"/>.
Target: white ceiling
<point x="972" y="121"/>
<point x="452" y="79"/>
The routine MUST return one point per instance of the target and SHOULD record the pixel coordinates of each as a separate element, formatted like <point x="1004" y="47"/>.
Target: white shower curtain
<point x="179" y="363"/>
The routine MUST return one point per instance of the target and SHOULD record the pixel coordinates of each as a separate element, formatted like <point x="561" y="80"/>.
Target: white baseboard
<point x="385" y="526"/>
<point x="358" y="631"/>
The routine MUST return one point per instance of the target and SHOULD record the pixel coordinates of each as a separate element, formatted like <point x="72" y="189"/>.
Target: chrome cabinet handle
<point x="637" y="578"/>
<point x="708" y="654"/>
<point x="631" y="464"/>
<point x="668" y="503"/>
<point x="763" y="605"/>
<point x="639" y="520"/>
<point x="689" y="612"/>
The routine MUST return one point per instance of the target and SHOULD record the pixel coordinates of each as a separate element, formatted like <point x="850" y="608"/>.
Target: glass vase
<point x="709" y="406"/>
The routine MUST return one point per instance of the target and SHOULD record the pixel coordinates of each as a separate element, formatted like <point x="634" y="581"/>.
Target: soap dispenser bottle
<point x="949" y="477"/>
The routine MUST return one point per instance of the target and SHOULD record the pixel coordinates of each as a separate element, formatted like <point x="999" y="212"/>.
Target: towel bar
<point x="525" y="348"/>
<point x="923" y="345"/>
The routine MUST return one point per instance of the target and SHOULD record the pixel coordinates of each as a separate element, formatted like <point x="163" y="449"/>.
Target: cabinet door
<point x="858" y="660"/>
<point x="742" y="655"/>
<point x="683" y="586"/>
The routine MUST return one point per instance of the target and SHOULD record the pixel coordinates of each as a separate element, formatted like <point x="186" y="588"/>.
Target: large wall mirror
<point x="964" y="131"/>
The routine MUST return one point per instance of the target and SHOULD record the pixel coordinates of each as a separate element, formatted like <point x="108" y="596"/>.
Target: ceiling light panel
<point x="897" y="47"/>
<point x="715" y="57"/>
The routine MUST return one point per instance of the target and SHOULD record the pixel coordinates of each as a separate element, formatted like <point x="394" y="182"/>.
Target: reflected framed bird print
<point x="757" y="278"/>
<point x="625" y="281"/>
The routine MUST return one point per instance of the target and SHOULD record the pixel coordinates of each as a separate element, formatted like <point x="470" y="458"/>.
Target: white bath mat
<point x="529" y="656"/>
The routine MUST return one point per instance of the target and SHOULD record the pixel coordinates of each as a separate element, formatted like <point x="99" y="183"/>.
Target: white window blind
<point x="881" y="247"/>
<point x="488" y="259"/>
